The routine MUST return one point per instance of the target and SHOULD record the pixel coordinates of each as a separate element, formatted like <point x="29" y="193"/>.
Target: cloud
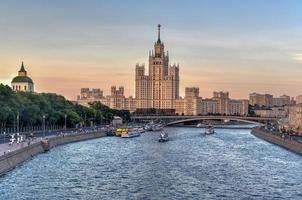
<point x="297" y="57"/>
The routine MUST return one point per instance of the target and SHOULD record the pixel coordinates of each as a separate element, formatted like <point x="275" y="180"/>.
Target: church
<point x="22" y="82"/>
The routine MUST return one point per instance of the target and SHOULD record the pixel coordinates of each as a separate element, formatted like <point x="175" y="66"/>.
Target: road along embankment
<point x="10" y="160"/>
<point x="286" y="143"/>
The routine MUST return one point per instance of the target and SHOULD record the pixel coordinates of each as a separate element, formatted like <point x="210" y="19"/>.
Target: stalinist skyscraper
<point x="160" y="88"/>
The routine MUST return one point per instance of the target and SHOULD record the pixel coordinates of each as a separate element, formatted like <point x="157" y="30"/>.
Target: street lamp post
<point x="18" y="122"/>
<point x="43" y="126"/>
<point x="4" y="134"/>
<point x="65" y="126"/>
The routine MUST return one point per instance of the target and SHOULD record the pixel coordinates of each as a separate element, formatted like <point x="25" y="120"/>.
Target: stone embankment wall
<point x="289" y="144"/>
<point x="12" y="159"/>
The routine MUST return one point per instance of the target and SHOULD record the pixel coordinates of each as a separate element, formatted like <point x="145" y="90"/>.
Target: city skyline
<point x="215" y="51"/>
<point x="161" y="99"/>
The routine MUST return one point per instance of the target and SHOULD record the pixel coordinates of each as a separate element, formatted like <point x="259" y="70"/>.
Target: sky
<point x="232" y="45"/>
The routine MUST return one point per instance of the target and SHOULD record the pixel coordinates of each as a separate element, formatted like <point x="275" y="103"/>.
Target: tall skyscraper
<point x="160" y="88"/>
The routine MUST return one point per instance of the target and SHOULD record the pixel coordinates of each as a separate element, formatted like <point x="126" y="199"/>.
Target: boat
<point x="157" y="127"/>
<point x="163" y="137"/>
<point x="199" y="125"/>
<point x="148" y="127"/>
<point x="209" y="129"/>
<point x="141" y="130"/>
<point x="226" y="120"/>
<point x="120" y="131"/>
<point x="134" y="132"/>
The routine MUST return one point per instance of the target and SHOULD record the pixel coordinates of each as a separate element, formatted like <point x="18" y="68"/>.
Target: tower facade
<point x="142" y="88"/>
<point x="160" y="88"/>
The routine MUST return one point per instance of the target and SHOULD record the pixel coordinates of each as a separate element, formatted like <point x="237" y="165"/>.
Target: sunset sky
<point x="236" y="46"/>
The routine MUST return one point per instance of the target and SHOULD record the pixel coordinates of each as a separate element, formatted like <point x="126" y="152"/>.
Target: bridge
<point x="173" y="120"/>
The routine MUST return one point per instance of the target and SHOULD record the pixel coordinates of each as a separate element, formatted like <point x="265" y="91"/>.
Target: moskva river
<point x="231" y="164"/>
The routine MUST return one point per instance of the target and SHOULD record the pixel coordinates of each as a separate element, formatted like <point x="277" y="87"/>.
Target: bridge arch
<point x="213" y="118"/>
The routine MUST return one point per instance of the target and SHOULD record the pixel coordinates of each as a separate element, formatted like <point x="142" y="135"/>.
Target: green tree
<point x="31" y="107"/>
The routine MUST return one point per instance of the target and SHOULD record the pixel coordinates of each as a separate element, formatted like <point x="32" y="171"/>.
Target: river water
<point x="231" y="164"/>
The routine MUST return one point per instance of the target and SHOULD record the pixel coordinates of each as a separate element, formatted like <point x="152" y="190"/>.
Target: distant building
<point x="220" y="104"/>
<point x="87" y="96"/>
<point x="283" y="100"/>
<point x="274" y="112"/>
<point x="239" y="107"/>
<point x="292" y="101"/>
<point x="192" y="101"/>
<point x="130" y="104"/>
<point x="299" y="99"/>
<point x="260" y="100"/>
<point x="227" y="106"/>
<point x="223" y="102"/>
<point x="209" y="106"/>
<point x="179" y="106"/>
<point x="116" y="99"/>
<point x="295" y="118"/>
<point x="95" y="93"/>
<point x="268" y="101"/>
<point x="22" y="82"/>
<point x="190" y="104"/>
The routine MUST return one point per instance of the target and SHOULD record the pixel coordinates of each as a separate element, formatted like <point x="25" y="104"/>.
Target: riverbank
<point x="19" y="154"/>
<point x="286" y="143"/>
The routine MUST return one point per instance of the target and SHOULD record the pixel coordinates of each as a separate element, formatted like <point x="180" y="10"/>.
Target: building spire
<point x="22" y="71"/>
<point x="158" y="40"/>
<point x="22" y="67"/>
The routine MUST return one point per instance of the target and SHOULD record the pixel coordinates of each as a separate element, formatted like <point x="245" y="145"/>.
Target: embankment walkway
<point x="13" y="155"/>
<point x="286" y="143"/>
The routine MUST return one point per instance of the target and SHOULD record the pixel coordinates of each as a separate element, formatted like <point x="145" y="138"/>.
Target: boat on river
<point x="199" y="125"/>
<point x="120" y="131"/>
<point x="163" y="137"/>
<point x="157" y="127"/>
<point x="148" y="127"/>
<point x="209" y="129"/>
<point x="132" y="132"/>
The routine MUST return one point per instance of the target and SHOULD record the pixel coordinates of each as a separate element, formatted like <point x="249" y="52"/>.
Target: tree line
<point x="31" y="107"/>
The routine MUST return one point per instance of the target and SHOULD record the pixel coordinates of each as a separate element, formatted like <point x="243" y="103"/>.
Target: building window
<point x="25" y="87"/>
